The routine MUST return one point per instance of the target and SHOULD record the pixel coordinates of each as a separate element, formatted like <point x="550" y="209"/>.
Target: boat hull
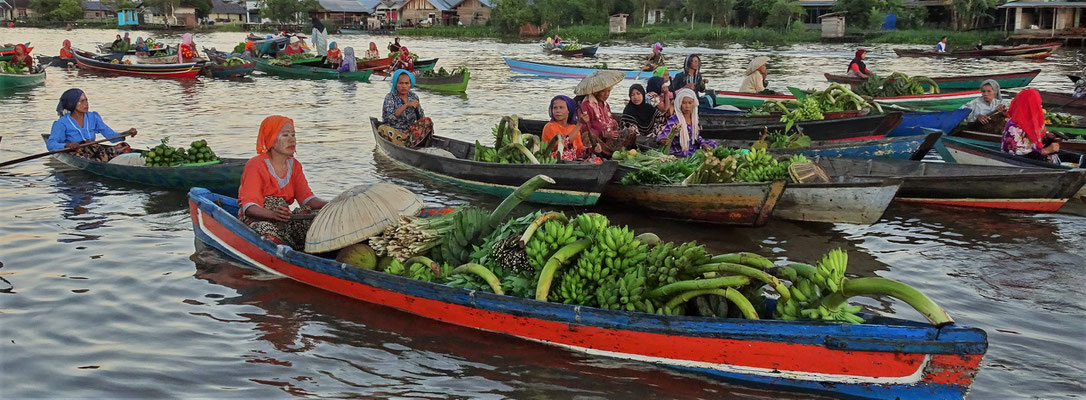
<point x="1074" y="144"/>
<point x="898" y="148"/>
<point x="931" y="101"/>
<point x="223" y="178"/>
<point x="11" y="81"/>
<point x="576" y="184"/>
<point x="449" y="84"/>
<point x="859" y="128"/>
<point x="1034" y="51"/>
<point x="743" y="204"/>
<point x="565" y="71"/>
<point x="914" y="123"/>
<point x="957" y="83"/>
<point x="976" y="152"/>
<point x="852" y="201"/>
<point x="588" y="51"/>
<point x="1059" y="102"/>
<point x="304" y="72"/>
<point x="884" y="359"/>
<point x="88" y="62"/>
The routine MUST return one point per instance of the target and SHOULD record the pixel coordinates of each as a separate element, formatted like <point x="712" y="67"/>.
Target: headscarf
<point x="658" y="46"/>
<point x="397" y="40"/>
<point x="571" y="105"/>
<point x="22" y="47"/>
<point x="756" y="63"/>
<point x="126" y="38"/>
<point x="269" y="132"/>
<point x="642" y="114"/>
<point x="187" y="39"/>
<point x="67" y="44"/>
<point x="405" y="55"/>
<point x="317" y="25"/>
<point x="331" y="45"/>
<point x="139" y="40"/>
<point x="686" y="139"/>
<point x="1025" y="111"/>
<point x="348" y="58"/>
<point x="396" y="78"/>
<point x="655" y="85"/>
<point x="995" y="86"/>
<point x="68" y="100"/>
<point x="859" y="53"/>
<point x="690" y="61"/>
<point x="250" y="46"/>
<point x="659" y="71"/>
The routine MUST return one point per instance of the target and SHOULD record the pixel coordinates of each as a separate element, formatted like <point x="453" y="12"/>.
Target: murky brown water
<point x="101" y="295"/>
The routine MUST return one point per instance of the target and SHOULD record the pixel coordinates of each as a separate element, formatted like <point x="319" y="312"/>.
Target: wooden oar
<point x="39" y="155"/>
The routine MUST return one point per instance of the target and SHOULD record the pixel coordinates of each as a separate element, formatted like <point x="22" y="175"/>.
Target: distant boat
<point x="1040" y="51"/>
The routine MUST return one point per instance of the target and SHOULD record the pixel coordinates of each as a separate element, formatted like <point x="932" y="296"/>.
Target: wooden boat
<point x="1075" y="145"/>
<point x="1023" y="51"/>
<point x="869" y="127"/>
<point x="742" y="203"/>
<point x="11" y="81"/>
<point x="566" y="71"/>
<point x="107" y="48"/>
<point x="958" y="83"/>
<point x="447" y="84"/>
<point x="377" y="64"/>
<point x="7" y="52"/>
<point x="577" y="184"/>
<point x="1069" y="130"/>
<point x="224" y="177"/>
<point x="896" y="148"/>
<point x="304" y="72"/>
<point x="270" y="46"/>
<point x="1059" y="102"/>
<point x="349" y="31"/>
<point x="934" y="101"/>
<point x="217" y="69"/>
<point x="425" y="65"/>
<point x="845" y="199"/>
<point x="729" y="119"/>
<point x="55" y="61"/>
<point x="914" y="123"/>
<point x="92" y="62"/>
<point x="885" y="358"/>
<point x="976" y="186"/>
<point x="585" y="51"/>
<point x="976" y="152"/>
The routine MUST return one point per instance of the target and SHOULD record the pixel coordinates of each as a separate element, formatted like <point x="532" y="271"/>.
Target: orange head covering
<point x="250" y="46"/>
<point x="269" y="132"/>
<point x="1026" y="112"/>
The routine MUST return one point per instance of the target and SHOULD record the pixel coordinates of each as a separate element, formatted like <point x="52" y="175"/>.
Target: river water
<point x="103" y="295"/>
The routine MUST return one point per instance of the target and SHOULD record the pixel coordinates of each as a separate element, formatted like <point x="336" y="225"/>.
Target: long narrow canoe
<point x="895" y="148"/>
<point x="936" y="101"/>
<point x="1059" y="102"/>
<point x="92" y="62"/>
<point x="914" y="123"/>
<point x="299" y="71"/>
<point x="1070" y="130"/>
<point x="445" y="84"/>
<point x="224" y="177"/>
<point x="974" y="186"/>
<point x="845" y="199"/>
<point x="958" y="83"/>
<point x="11" y="81"/>
<point x="1025" y="51"/>
<point x="743" y="204"/>
<point x="578" y="184"/>
<point x="567" y="71"/>
<point x="869" y="127"/>
<point x="425" y="65"/>
<point x="885" y="358"/>
<point x="741" y="118"/>
<point x="378" y="64"/>
<point x="55" y="61"/>
<point x="105" y="48"/>
<point x="1076" y="145"/>
<point x="586" y="51"/>
<point x="977" y="152"/>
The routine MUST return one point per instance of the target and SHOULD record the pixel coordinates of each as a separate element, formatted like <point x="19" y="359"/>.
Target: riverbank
<point x="713" y="36"/>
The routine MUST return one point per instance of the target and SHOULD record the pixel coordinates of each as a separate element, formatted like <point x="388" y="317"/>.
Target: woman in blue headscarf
<point x="335" y="57"/>
<point x="404" y="122"/>
<point x="78" y="125"/>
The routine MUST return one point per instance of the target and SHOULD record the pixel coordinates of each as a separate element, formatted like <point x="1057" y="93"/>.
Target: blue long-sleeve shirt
<point x="66" y="130"/>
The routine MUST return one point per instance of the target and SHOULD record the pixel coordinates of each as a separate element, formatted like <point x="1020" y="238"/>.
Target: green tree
<point x="556" y="13"/>
<point x="870" y="13"/>
<point x="58" y="10"/>
<point x="673" y="12"/>
<point x="783" y="13"/>
<point x="967" y="14"/>
<point x="287" y="10"/>
<point x="509" y="15"/>
<point x="641" y="9"/>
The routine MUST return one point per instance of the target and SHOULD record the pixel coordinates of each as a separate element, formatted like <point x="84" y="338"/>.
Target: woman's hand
<point x="131" y="131"/>
<point x="1052" y="148"/>
<point x="984" y="119"/>
<point x="281" y="214"/>
<point x="72" y="145"/>
<point x="413" y="104"/>
<point x="610" y="135"/>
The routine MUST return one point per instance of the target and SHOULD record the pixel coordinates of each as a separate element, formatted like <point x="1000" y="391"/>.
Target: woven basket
<point x="358" y="214"/>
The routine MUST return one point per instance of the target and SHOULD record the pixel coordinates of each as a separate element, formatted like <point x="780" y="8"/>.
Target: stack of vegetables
<point x="165" y="156"/>
<point x="513" y="147"/>
<point x="442" y="73"/>
<point x="12" y="68"/>
<point x="287" y="59"/>
<point x="396" y="54"/>
<point x="897" y="84"/>
<point x="1055" y="118"/>
<point x="815" y="104"/>
<point x="585" y="260"/>
<point x="720" y="165"/>
<point x="234" y="61"/>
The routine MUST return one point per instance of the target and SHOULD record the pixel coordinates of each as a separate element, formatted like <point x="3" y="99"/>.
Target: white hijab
<point x="684" y="139"/>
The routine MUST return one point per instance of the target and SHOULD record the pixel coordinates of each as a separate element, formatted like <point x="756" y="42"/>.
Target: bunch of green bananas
<point x="625" y="293"/>
<point x="513" y="147"/>
<point x="455" y="245"/>
<point x="712" y="170"/>
<point x="668" y="263"/>
<point x="576" y="289"/>
<point x="613" y="252"/>
<point x="897" y="84"/>
<point x="808" y="109"/>
<point x="588" y="225"/>
<point x="484" y="153"/>
<point x="550" y="237"/>
<point x="811" y="285"/>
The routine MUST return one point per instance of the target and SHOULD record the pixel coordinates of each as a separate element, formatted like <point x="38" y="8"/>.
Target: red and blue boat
<point x="884" y="358"/>
<point x="570" y="71"/>
<point x="92" y="62"/>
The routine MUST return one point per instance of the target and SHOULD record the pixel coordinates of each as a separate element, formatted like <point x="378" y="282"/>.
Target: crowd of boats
<point x="868" y="159"/>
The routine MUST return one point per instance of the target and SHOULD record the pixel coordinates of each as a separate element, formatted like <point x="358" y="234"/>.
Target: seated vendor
<point x="403" y="120"/>
<point x="78" y="125"/>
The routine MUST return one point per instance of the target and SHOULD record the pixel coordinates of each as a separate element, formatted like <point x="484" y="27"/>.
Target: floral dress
<point x="1015" y="141"/>
<point x="676" y="145"/>
<point x="411" y="128"/>
<point x="599" y="122"/>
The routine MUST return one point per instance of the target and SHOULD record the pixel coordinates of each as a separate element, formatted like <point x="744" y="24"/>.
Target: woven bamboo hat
<point x="597" y="81"/>
<point x="358" y="214"/>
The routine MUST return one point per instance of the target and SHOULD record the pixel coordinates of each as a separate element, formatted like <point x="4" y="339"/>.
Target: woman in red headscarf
<point x="403" y="61"/>
<point x="66" y="50"/>
<point x="21" y="57"/>
<point x="857" y="66"/>
<point x="272" y="181"/>
<point x="1025" y="134"/>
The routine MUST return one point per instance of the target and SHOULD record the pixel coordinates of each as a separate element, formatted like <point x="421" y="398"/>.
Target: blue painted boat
<point x="884" y="358"/>
<point x="568" y="71"/>
<point x="896" y="148"/>
<point x="912" y="123"/>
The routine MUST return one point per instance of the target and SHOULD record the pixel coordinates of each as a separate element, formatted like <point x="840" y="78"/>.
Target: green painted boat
<point x="1067" y="129"/>
<point x="446" y="84"/>
<point x="931" y="102"/>
<point x="304" y="72"/>
<point x="11" y="81"/>
<point x="223" y="178"/>
<point x="958" y="83"/>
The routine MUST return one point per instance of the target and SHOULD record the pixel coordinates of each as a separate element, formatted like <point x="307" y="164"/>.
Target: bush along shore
<point x="710" y="34"/>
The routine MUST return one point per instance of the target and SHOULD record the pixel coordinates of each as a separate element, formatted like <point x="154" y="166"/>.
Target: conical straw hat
<point x="358" y="214"/>
<point x="597" y="81"/>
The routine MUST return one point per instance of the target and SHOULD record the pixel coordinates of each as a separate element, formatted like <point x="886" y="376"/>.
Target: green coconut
<point x="359" y="255"/>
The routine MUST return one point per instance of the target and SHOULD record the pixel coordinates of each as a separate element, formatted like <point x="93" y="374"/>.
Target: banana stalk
<point x="527" y="153"/>
<point x="534" y="226"/>
<point x="743" y="258"/>
<point x="522" y="193"/>
<point x="698" y="284"/>
<point x="482" y="272"/>
<point x="648" y="238"/>
<point x="888" y="287"/>
<point x="749" y="272"/>
<point x="731" y="294"/>
<point x="547" y="275"/>
<point x="434" y="266"/>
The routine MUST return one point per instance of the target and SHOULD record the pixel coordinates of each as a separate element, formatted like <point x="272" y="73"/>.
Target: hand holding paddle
<point x="130" y="132"/>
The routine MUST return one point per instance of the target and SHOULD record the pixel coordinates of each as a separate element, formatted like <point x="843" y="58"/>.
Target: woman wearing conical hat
<point x="599" y="126"/>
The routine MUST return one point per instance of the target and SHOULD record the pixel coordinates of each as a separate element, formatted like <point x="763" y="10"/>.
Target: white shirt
<point x="941" y="47"/>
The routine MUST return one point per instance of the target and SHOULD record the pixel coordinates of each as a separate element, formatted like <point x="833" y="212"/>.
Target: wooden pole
<point x="39" y="155"/>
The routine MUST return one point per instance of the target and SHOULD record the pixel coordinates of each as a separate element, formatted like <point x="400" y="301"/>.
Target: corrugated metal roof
<point x="95" y="6"/>
<point x="1044" y="4"/>
<point x="445" y="5"/>
<point x="228" y="7"/>
<point x="342" y="6"/>
<point x="370" y="5"/>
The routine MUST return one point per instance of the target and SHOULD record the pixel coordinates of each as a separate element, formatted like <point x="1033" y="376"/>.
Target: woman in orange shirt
<point x="272" y="181"/>
<point x="563" y="112"/>
<point x="66" y="50"/>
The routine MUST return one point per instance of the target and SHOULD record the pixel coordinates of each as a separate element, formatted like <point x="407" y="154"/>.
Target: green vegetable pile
<point x="897" y="84"/>
<point x="240" y="48"/>
<point x="1054" y="118"/>
<point x="513" y="147"/>
<point x="12" y="68"/>
<point x="234" y="61"/>
<point x="585" y="260"/>
<point x="442" y="73"/>
<point x="396" y="54"/>
<point x="287" y="59"/>
<point x="165" y="156"/>
<point x="720" y="165"/>
<point x="835" y="98"/>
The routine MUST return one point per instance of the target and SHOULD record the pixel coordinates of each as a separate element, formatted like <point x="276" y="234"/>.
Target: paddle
<point x="39" y="155"/>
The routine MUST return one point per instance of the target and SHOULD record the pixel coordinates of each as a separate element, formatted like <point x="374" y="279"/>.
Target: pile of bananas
<point x="627" y="292"/>
<point x="759" y="166"/>
<point x="778" y="140"/>
<point x="454" y="246"/>
<point x="513" y="147"/>
<point x="811" y="285"/>
<point x="668" y="263"/>
<point x="712" y="170"/>
<point x="897" y="84"/>
<point x="809" y="109"/>
<point x="550" y="237"/>
<point x="614" y="252"/>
